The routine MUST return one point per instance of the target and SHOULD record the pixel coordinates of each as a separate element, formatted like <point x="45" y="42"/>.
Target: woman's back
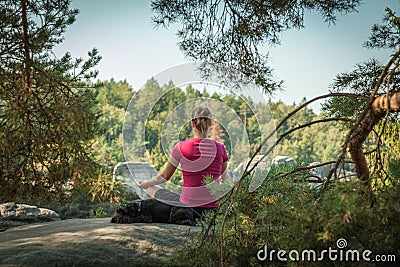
<point x="199" y="158"/>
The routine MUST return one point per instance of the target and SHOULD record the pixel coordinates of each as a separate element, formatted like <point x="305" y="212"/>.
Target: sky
<point x="307" y="60"/>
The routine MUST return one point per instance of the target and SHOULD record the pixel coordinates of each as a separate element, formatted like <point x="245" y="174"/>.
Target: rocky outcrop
<point x="12" y="214"/>
<point x="28" y="213"/>
<point x="92" y="242"/>
<point x="133" y="172"/>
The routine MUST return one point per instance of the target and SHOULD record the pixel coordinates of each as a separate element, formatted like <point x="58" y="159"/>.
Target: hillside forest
<point x="318" y="143"/>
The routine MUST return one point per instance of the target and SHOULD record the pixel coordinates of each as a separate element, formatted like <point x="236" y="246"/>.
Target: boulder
<point x="283" y="160"/>
<point x="264" y="162"/>
<point x="92" y="242"/>
<point x="26" y="213"/>
<point x="133" y="172"/>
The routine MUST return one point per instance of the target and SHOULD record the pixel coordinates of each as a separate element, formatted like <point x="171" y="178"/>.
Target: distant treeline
<point x="320" y="142"/>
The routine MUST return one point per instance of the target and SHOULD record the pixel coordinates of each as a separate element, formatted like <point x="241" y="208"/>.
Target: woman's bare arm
<point x="160" y="178"/>
<point x="224" y="171"/>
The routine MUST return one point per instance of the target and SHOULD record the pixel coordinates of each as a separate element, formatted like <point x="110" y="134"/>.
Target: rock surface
<point x="133" y="172"/>
<point x="26" y="213"/>
<point x="12" y="215"/>
<point x="91" y="242"/>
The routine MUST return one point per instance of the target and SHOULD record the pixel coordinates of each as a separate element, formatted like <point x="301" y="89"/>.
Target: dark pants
<point x="171" y="197"/>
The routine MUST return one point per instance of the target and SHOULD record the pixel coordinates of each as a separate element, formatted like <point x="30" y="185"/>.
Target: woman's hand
<point x="144" y="184"/>
<point x="159" y="178"/>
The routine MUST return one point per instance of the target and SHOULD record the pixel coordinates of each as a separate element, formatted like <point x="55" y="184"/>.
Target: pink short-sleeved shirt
<point x="199" y="158"/>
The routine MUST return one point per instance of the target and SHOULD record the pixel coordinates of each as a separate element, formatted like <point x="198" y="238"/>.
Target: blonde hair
<point x="201" y="116"/>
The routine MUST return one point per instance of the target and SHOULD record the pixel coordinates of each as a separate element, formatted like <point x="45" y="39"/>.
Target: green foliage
<point x="98" y="213"/>
<point x="359" y="81"/>
<point x="229" y="33"/>
<point x="384" y="153"/>
<point x="103" y="188"/>
<point x="286" y="213"/>
<point x="47" y="105"/>
<point x="317" y="143"/>
<point x="387" y="34"/>
<point x="363" y="79"/>
<point x="382" y="145"/>
<point x="113" y="99"/>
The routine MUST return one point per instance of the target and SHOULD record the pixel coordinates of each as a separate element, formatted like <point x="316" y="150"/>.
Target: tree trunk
<point x="27" y="59"/>
<point x="379" y="108"/>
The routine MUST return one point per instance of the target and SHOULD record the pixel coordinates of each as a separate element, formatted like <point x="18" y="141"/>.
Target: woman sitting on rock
<point x="199" y="157"/>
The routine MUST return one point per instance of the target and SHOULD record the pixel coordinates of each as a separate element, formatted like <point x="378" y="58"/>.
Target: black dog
<point x="152" y="211"/>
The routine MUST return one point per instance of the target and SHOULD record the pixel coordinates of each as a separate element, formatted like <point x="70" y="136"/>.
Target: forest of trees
<point x="318" y="143"/>
<point x="47" y="115"/>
